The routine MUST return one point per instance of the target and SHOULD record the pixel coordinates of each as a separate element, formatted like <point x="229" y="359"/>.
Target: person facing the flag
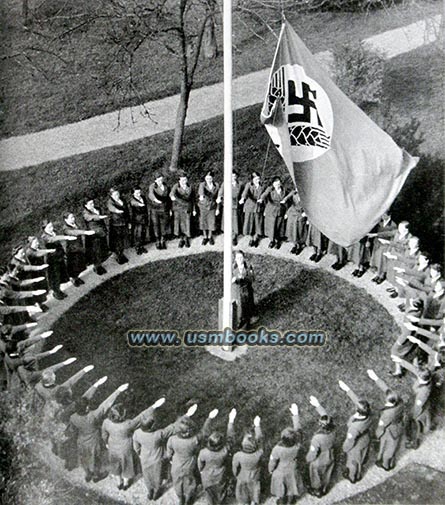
<point x="96" y="246"/>
<point x="183" y="197"/>
<point x="237" y="191"/>
<point x="119" y="220"/>
<point x="296" y="222"/>
<point x="159" y="201"/>
<point x="273" y="198"/>
<point x="139" y="221"/>
<point x="207" y="201"/>
<point x="347" y="170"/>
<point x="75" y="249"/>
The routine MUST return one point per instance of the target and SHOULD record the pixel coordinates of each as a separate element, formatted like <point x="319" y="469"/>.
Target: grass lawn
<point x="31" y="102"/>
<point x="182" y="294"/>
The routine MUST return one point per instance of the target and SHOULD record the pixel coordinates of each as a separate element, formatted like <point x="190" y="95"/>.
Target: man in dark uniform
<point x="183" y="197"/>
<point x="119" y="221"/>
<point x="159" y="202"/>
<point x="139" y="221"/>
<point x="96" y="246"/>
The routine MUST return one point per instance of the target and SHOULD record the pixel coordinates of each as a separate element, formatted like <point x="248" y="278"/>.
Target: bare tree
<point x="187" y="29"/>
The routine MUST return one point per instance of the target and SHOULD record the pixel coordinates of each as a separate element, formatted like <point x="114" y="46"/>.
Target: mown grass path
<point x="126" y="125"/>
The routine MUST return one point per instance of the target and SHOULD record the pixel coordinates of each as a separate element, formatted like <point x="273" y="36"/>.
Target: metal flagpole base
<point x="233" y="308"/>
<point x="232" y="355"/>
<point x="227" y="352"/>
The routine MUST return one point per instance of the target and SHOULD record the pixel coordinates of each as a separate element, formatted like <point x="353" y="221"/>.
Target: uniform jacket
<point x="151" y="445"/>
<point x="117" y="218"/>
<point x="422" y="393"/>
<point x="246" y="466"/>
<point x="434" y="307"/>
<point x="94" y="222"/>
<point x="322" y="448"/>
<point x="391" y="421"/>
<point x="295" y="207"/>
<point x="237" y="191"/>
<point x="358" y="431"/>
<point x="210" y="196"/>
<point x="251" y="194"/>
<point x="139" y="213"/>
<point x="185" y="198"/>
<point x="183" y="452"/>
<point x="73" y="246"/>
<point x="161" y="194"/>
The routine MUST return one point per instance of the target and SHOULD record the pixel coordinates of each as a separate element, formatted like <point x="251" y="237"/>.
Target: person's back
<point x="248" y="465"/>
<point x="152" y="445"/>
<point x="213" y="464"/>
<point x="119" y="435"/>
<point x="86" y="425"/>
<point x="184" y="455"/>
<point x="286" y="457"/>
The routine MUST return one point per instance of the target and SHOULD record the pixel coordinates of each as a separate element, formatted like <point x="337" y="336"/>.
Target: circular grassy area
<point x="183" y="293"/>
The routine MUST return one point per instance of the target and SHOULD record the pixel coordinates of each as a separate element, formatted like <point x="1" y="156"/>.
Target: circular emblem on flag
<point x="306" y="109"/>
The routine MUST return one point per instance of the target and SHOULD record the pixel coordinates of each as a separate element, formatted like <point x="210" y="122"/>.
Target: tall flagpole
<point x="228" y="160"/>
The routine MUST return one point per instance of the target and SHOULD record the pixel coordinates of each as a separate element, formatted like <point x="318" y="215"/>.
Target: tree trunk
<point x="181" y="115"/>
<point x="25" y="12"/>
<point x="209" y="45"/>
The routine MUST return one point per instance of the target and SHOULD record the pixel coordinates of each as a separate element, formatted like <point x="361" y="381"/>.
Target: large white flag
<point x="347" y="170"/>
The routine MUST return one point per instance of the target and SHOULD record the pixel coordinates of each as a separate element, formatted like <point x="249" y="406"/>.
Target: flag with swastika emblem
<point x="347" y="170"/>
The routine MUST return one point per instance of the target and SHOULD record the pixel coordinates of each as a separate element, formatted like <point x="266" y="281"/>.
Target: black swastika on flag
<point x="305" y="101"/>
